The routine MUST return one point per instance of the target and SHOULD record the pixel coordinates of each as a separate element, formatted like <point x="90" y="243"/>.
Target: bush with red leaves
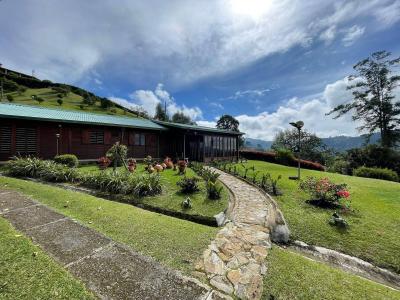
<point x="271" y="157"/>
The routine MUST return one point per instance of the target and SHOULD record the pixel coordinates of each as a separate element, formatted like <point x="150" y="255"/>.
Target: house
<point x="46" y="132"/>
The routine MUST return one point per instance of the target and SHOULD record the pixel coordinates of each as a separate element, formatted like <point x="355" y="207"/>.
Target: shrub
<point x="24" y="166"/>
<point x="43" y="169"/>
<point x="69" y="160"/>
<point x="60" y="101"/>
<point x="10" y="98"/>
<point x="188" y="185"/>
<point x="338" y="221"/>
<point x="117" y="154"/>
<point x="110" y="182"/>
<point x="271" y="157"/>
<point x="147" y="185"/>
<point x="103" y="162"/>
<point x="284" y="157"/>
<point x="182" y="167"/>
<point x="210" y="175"/>
<point x="148" y="160"/>
<point x="54" y="172"/>
<point x="324" y="192"/>
<point x="340" y="166"/>
<point x="187" y="203"/>
<point x="213" y="190"/>
<point x="378" y="173"/>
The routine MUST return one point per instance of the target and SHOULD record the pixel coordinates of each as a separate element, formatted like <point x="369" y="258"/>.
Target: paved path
<point x="235" y="261"/>
<point x="111" y="270"/>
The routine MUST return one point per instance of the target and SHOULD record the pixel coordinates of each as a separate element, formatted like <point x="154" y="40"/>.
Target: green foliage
<point x="42" y="169"/>
<point x="105" y="103"/>
<point x="189" y="185"/>
<point x="39" y="100"/>
<point x="311" y="147"/>
<point x="69" y="160"/>
<point x="373" y="101"/>
<point x="213" y="190"/>
<point x="60" y="101"/>
<point x="10" y="98"/>
<point x="227" y="122"/>
<point x="374" y="156"/>
<point x="324" y="192"/>
<point x="378" y="173"/>
<point x="210" y="175"/>
<point x="117" y="154"/>
<point x="148" y="160"/>
<point x="284" y="156"/>
<point x="9" y="85"/>
<point x="161" y="114"/>
<point x="24" y="166"/>
<point x="339" y="165"/>
<point x="147" y="185"/>
<point x="180" y="117"/>
<point x="187" y="203"/>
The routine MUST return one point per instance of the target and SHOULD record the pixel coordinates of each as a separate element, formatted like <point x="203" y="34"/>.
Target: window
<point x="26" y="140"/>
<point x="5" y="139"/>
<point x="140" y="139"/>
<point x="96" y="137"/>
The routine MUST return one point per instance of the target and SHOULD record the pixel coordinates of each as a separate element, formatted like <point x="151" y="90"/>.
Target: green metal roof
<point x="198" y="128"/>
<point x="29" y="112"/>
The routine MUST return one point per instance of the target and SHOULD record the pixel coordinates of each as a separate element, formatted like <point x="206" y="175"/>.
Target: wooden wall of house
<point x="75" y="139"/>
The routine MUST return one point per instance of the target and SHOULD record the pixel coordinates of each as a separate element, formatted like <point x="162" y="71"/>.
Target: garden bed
<point x="373" y="233"/>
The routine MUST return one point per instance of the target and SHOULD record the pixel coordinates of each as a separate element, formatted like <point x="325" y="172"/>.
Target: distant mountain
<point x="338" y="143"/>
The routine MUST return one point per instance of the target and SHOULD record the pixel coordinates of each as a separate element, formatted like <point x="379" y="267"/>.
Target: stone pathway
<point x="111" y="270"/>
<point x="235" y="261"/>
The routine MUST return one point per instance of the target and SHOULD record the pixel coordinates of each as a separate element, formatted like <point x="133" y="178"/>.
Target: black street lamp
<point x="298" y="125"/>
<point x="58" y="141"/>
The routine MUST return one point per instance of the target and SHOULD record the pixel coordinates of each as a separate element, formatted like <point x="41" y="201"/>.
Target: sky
<point x="266" y="62"/>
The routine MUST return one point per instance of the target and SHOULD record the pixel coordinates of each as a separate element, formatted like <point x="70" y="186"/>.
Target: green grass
<point x="291" y="276"/>
<point x="171" y="198"/>
<point x="71" y="102"/>
<point x="173" y="242"/>
<point x="374" y="233"/>
<point x="24" y="275"/>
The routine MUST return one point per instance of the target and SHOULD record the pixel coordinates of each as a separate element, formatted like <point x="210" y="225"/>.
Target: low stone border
<point x="348" y="263"/>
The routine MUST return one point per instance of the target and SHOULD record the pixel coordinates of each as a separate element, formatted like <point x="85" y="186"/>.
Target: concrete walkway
<point x="111" y="270"/>
<point x="235" y="261"/>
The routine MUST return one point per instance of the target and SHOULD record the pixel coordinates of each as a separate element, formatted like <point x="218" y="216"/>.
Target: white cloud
<point x="189" y="41"/>
<point x="207" y="123"/>
<point x="265" y="125"/>
<point x="328" y="35"/>
<point x="148" y="100"/>
<point x="352" y="34"/>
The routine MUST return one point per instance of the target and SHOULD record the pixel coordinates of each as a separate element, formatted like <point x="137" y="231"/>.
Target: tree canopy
<point x="228" y="122"/>
<point x="373" y="102"/>
<point x="161" y="114"/>
<point x="311" y="146"/>
<point x="180" y="117"/>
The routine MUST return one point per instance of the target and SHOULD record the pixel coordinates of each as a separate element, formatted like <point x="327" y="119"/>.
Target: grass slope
<point x="173" y="242"/>
<point x="27" y="276"/>
<point x="72" y="101"/>
<point x="291" y="276"/>
<point x="171" y="197"/>
<point x="374" y="233"/>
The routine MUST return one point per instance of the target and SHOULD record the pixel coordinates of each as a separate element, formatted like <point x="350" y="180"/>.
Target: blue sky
<point x="266" y="62"/>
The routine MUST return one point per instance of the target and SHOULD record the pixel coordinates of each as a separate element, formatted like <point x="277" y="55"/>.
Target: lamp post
<point x="58" y="138"/>
<point x="298" y="125"/>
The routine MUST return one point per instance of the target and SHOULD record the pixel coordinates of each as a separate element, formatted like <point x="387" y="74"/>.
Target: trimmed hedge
<point x="272" y="158"/>
<point x="69" y="160"/>
<point x="378" y="173"/>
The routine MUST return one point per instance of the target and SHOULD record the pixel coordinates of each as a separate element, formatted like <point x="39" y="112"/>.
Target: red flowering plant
<point x="103" y="162"/>
<point x="325" y="193"/>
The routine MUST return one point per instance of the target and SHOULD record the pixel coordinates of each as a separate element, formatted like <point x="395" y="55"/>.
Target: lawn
<point x="374" y="232"/>
<point x="173" y="242"/>
<point x="72" y="101"/>
<point x="171" y="197"/>
<point x="291" y="276"/>
<point x="28" y="273"/>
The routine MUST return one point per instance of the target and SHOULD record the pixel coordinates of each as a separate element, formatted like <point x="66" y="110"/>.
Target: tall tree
<point x="311" y="146"/>
<point x="373" y="102"/>
<point x="180" y="117"/>
<point x="161" y="114"/>
<point x="228" y="122"/>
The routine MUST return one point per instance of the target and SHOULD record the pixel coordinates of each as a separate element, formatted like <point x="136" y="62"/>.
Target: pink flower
<point x="343" y="194"/>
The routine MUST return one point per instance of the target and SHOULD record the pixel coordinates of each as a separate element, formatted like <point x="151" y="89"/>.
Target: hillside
<point x="25" y="89"/>
<point x="338" y="143"/>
